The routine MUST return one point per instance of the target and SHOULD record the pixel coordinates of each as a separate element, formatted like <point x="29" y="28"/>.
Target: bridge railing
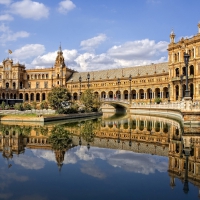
<point x="194" y="106"/>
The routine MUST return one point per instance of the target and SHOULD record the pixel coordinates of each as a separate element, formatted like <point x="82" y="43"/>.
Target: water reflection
<point x="134" y="140"/>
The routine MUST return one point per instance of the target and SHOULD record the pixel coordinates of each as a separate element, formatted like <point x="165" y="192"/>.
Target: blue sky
<point x="94" y="34"/>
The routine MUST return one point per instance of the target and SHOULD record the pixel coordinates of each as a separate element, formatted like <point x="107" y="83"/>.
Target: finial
<point x="198" y="27"/>
<point x="60" y="49"/>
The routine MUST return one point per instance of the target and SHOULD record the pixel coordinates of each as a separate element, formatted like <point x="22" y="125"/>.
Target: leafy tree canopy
<point x="57" y="96"/>
<point x="59" y="138"/>
<point x="89" y="100"/>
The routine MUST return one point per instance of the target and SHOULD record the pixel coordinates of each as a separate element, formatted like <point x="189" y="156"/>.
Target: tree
<point x="89" y="100"/>
<point x="44" y="105"/>
<point x="59" y="138"/>
<point x="57" y="96"/>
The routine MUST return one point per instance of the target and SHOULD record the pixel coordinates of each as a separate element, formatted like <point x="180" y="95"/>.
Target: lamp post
<point x="186" y="60"/>
<point x="168" y="93"/>
<point x="118" y="82"/>
<point x="71" y="90"/>
<point x="181" y="80"/>
<point x="130" y="142"/>
<point x="130" y="94"/>
<point x="150" y="94"/>
<point x="88" y="78"/>
<point x="80" y="80"/>
<point x="118" y="139"/>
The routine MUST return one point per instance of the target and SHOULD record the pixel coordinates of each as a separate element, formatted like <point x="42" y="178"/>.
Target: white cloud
<point x="29" y="50"/>
<point x="29" y="162"/>
<point x="66" y="6"/>
<point x="92" y="43"/>
<point x="29" y="9"/>
<point x="8" y="35"/>
<point x="140" y="49"/>
<point x="48" y="59"/>
<point x="6" y="2"/>
<point x="4" y="28"/>
<point x="6" y="17"/>
<point x="129" y="54"/>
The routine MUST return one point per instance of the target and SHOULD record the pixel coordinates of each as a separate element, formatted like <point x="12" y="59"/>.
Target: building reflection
<point x="141" y="134"/>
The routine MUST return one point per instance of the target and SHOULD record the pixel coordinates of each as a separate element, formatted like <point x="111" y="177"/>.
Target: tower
<point x="172" y="37"/>
<point x="60" y="68"/>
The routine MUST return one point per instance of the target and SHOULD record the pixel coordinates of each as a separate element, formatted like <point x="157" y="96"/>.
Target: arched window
<point x="7" y="85"/>
<point x="177" y="72"/>
<point x="14" y="85"/>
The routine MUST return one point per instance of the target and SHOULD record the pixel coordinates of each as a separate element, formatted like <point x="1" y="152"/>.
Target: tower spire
<point x="60" y="48"/>
<point x="172" y="36"/>
<point x="198" y="28"/>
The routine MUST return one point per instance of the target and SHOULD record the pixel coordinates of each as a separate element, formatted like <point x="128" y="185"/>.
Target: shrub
<point x="157" y="100"/>
<point x="18" y="106"/>
<point x="27" y="106"/>
<point x="3" y="105"/>
<point x="7" y="107"/>
<point x="44" y="105"/>
<point x="34" y="105"/>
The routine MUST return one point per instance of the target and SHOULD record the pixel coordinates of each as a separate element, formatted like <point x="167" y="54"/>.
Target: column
<point x="161" y="95"/>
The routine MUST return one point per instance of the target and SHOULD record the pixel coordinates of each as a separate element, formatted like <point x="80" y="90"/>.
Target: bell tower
<point x="60" y="61"/>
<point x="60" y="69"/>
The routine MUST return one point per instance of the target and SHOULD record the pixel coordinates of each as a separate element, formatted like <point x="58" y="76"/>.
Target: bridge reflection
<point x="140" y="134"/>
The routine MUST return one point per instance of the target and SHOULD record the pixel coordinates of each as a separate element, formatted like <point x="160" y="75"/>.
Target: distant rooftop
<point x="145" y="70"/>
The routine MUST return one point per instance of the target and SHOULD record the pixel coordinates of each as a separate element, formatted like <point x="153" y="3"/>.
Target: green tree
<point x="59" y="138"/>
<point x="57" y="96"/>
<point x="3" y="105"/>
<point x="90" y="101"/>
<point x="44" y="105"/>
<point x="87" y="131"/>
<point x="18" y="106"/>
<point x="34" y="105"/>
<point x="27" y="106"/>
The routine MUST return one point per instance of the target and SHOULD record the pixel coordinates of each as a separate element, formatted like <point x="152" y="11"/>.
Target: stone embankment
<point x="39" y="116"/>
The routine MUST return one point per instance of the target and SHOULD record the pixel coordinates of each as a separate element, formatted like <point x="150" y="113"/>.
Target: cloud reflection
<point x="125" y="160"/>
<point x="29" y="162"/>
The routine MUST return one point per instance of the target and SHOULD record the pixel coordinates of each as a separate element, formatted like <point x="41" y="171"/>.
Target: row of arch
<point x="25" y="97"/>
<point x="134" y="94"/>
<point x="179" y="72"/>
<point x="140" y="125"/>
<point x="180" y="91"/>
<point x="37" y="76"/>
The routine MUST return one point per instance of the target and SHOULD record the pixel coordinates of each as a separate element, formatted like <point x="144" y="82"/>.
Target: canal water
<point x="117" y="157"/>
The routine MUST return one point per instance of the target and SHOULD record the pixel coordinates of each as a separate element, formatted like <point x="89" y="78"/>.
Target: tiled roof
<point x="145" y="70"/>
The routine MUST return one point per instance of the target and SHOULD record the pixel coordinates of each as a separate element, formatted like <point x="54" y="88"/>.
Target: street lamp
<point x="130" y="142"/>
<point x="118" y="139"/>
<point x="130" y="96"/>
<point x="118" y="82"/>
<point x="150" y="94"/>
<point x="88" y="78"/>
<point x="80" y="80"/>
<point x="186" y="60"/>
<point x="168" y="93"/>
<point x="181" y="80"/>
<point x="71" y="90"/>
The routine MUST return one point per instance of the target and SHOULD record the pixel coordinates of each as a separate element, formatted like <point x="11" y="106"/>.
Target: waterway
<point x="112" y="157"/>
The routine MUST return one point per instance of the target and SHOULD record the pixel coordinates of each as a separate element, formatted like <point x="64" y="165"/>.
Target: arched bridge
<point x="117" y="103"/>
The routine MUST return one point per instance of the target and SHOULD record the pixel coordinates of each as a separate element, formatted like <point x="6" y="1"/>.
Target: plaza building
<point x="166" y="81"/>
<point x="17" y="82"/>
